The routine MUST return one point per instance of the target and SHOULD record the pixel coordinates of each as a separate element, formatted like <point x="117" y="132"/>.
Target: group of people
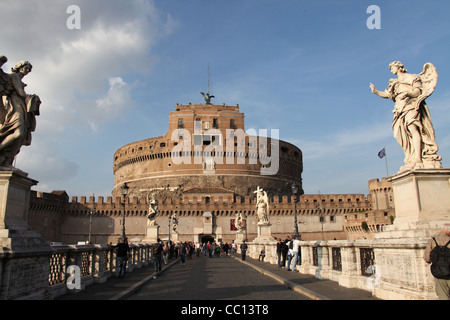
<point x="289" y="251"/>
<point x="213" y="249"/>
<point x="162" y="251"/>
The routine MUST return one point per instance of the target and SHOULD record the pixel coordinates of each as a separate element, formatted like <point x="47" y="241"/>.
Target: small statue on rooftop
<point x="207" y="97"/>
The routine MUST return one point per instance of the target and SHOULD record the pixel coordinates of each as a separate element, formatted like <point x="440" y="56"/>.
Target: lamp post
<point x="321" y="218"/>
<point x="294" y="189"/>
<point x="245" y="227"/>
<point x="91" y="212"/>
<point x="124" y="189"/>
<point x="170" y="220"/>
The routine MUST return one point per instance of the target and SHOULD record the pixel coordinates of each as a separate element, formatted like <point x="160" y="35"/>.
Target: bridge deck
<point x="224" y="278"/>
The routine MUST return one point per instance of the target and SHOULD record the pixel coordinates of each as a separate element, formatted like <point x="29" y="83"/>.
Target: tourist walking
<point x="166" y="252"/>
<point x="244" y="248"/>
<point x="226" y="246"/>
<point x="197" y="248"/>
<point x="217" y="250"/>
<point x="205" y="248"/>
<point x="157" y="256"/>
<point x="440" y="261"/>
<point x="183" y="250"/>
<point x="123" y="253"/>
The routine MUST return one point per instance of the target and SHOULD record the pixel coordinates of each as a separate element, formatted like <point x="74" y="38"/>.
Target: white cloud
<point x="78" y="74"/>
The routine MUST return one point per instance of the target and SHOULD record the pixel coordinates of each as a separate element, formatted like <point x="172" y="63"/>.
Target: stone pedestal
<point x="174" y="237"/>
<point x="24" y="271"/>
<point x="422" y="203"/>
<point x="14" y="204"/>
<point x="151" y="234"/>
<point x="264" y="232"/>
<point x="240" y="236"/>
<point x="422" y="206"/>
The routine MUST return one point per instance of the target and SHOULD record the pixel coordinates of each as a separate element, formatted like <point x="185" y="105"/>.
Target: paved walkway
<point x="224" y="278"/>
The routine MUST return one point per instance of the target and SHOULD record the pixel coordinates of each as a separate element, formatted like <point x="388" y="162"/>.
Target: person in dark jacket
<point x="123" y="252"/>
<point x="284" y="250"/>
<point x="279" y="246"/>
<point x="157" y="256"/>
<point x="243" y="248"/>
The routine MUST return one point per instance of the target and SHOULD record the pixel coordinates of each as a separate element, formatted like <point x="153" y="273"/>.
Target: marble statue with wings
<point x="18" y="111"/>
<point x="412" y="125"/>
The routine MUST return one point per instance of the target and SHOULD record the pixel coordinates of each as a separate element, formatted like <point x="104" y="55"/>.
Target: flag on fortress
<point x="382" y="153"/>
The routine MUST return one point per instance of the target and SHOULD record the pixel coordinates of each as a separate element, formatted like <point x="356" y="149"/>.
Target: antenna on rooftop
<point x="207" y="95"/>
<point x="208" y="78"/>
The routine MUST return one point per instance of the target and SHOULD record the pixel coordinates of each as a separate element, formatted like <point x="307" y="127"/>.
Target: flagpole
<point x="385" y="158"/>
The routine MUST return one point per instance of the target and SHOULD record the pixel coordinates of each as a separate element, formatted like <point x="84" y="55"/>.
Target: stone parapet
<point x="391" y="269"/>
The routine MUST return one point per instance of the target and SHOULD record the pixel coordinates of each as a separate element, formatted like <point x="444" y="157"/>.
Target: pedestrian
<point x="290" y="254"/>
<point x="197" y="248"/>
<point x="295" y="249"/>
<point x="262" y="254"/>
<point x="437" y="252"/>
<point x="166" y="252"/>
<point x="244" y="248"/>
<point x="226" y="246"/>
<point x="205" y="248"/>
<point x="157" y="256"/>
<point x="284" y="251"/>
<point x="211" y="249"/>
<point x="217" y="248"/>
<point x="183" y="251"/>
<point x="123" y="253"/>
<point x="279" y="246"/>
<point x="176" y="249"/>
<point x="190" y="250"/>
<point x="233" y="247"/>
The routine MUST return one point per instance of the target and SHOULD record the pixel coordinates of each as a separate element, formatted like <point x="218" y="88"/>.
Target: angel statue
<point x="239" y="222"/>
<point x="174" y="220"/>
<point x="412" y="124"/>
<point x="17" y="112"/>
<point x="152" y="210"/>
<point x="262" y="206"/>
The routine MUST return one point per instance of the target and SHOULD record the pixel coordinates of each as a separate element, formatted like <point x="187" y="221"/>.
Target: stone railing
<point x="46" y="272"/>
<point x="389" y="268"/>
<point x="96" y="263"/>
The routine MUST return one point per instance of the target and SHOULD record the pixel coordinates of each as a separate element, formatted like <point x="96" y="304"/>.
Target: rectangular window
<point x="180" y="123"/>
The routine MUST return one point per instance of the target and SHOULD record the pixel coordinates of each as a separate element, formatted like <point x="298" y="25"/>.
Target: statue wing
<point x="429" y="77"/>
<point x="266" y="200"/>
<point x="6" y="89"/>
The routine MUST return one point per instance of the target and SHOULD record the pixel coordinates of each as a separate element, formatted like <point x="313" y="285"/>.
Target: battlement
<point x="215" y="202"/>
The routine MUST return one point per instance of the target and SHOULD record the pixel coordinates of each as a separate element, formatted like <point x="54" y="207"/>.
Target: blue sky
<point x="302" y="67"/>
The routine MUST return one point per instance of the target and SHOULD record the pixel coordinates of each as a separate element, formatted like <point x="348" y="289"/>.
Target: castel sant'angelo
<point x="201" y="173"/>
